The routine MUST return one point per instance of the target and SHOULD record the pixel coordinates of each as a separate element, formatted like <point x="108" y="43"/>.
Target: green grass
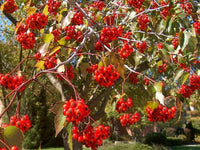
<point x="60" y="149"/>
<point x="195" y="147"/>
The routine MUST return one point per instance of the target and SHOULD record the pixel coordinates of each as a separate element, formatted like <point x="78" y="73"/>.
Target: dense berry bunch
<point x="77" y="18"/>
<point x="129" y="119"/>
<point x="37" y="56"/>
<point x="162" y="68"/>
<point x="50" y="61"/>
<point x="69" y="73"/>
<point x="196" y="26"/>
<point x="143" y="21"/>
<point x="56" y="33"/>
<point x="141" y="46"/>
<point x="166" y="10"/>
<point x="27" y="40"/>
<point x="75" y="111"/>
<point x="36" y="21"/>
<point x="161" y="113"/>
<point x="133" y="78"/>
<point x="99" y="47"/>
<point x="175" y="42"/>
<point x="184" y="67"/>
<point x="127" y="36"/>
<point x="135" y="3"/>
<point x="108" y="34"/>
<point x="53" y="6"/>
<point x="187" y="7"/>
<point x="23" y="124"/>
<point x="99" y="5"/>
<point x="123" y="105"/>
<point x="194" y="82"/>
<point x="10" y="6"/>
<point x="160" y="45"/>
<point x="72" y="34"/>
<point x="92" y="68"/>
<point x="11" y="82"/>
<point x="21" y="29"/>
<point x="185" y="90"/>
<point x="126" y="50"/>
<point x="109" y="20"/>
<point x="90" y="136"/>
<point x="106" y="76"/>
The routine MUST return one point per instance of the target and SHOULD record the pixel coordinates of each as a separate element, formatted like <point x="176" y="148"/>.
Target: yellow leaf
<point x="30" y="10"/>
<point x="18" y="25"/>
<point x="45" y="11"/>
<point x="62" y="41"/>
<point x="47" y="38"/>
<point x="118" y="63"/>
<point x="60" y="15"/>
<point x="153" y="105"/>
<point x="42" y="31"/>
<point x="83" y="68"/>
<point x="40" y="65"/>
<point x="28" y="3"/>
<point x="55" y="49"/>
<point x="2" y="6"/>
<point x="70" y="141"/>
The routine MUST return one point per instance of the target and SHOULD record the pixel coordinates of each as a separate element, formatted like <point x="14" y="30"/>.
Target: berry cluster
<point x="141" y="46"/>
<point x="196" y="26"/>
<point x="108" y="34"/>
<point x="127" y="36"/>
<point x="21" y="29"/>
<point x="187" y="7"/>
<point x="184" y="67"/>
<point x="23" y="124"/>
<point x="109" y="20"/>
<point x="123" y="105"/>
<point x="37" y="56"/>
<point x="77" y="18"/>
<point x="72" y="34"/>
<point x="161" y="113"/>
<point x="106" y="76"/>
<point x="36" y="21"/>
<point x="160" y="46"/>
<point x="162" y="68"/>
<point x="166" y="11"/>
<point x="143" y="21"/>
<point x="146" y="81"/>
<point x="99" y="5"/>
<point x="126" y="50"/>
<point x="11" y="82"/>
<point x="129" y="119"/>
<point x="56" y="33"/>
<point x="27" y="40"/>
<point x="11" y="148"/>
<point x="92" y="68"/>
<point x="90" y="136"/>
<point x="135" y="3"/>
<point x="53" y="6"/>
<point x="69" y="73"/>
<point x="99" y="47"/>
<point x="187" y="90"/>
<point x="175" y="42"/>
<point x="133" y="78"/>
<point x="75" y="111"/>
<point x="50" y="61"/>
<point x="10" y="6"/>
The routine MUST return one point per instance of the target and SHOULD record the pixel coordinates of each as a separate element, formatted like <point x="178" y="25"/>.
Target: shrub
<point x="171" y="141"/>
<point x="155" y="138"/>
<point x="169" y="132"/>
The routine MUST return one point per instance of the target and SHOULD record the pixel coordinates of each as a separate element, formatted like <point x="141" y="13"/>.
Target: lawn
<point x="192" y="147"/>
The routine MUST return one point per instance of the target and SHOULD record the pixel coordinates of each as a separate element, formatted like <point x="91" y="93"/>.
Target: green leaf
<point x="184" y="78"/>
<point x="187" y="36"/>
<point x="178" y="74"/>
<point x="161" y="26"/>
<point x="136" y="58"/>
<point x="158" y="87"/>
<point x="181" y="38"/>
<point x="13" y="136"/>
<point x="60" y="119"/>
<point x="83" y="68"/>
<point x="69" y="131"/>
<point x="165" y="54"/>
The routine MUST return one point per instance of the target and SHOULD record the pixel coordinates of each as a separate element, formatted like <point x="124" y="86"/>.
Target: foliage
<point x="155" y="138"/>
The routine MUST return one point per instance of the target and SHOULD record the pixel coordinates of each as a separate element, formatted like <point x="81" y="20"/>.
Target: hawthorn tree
<point x="95" y="51"/>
